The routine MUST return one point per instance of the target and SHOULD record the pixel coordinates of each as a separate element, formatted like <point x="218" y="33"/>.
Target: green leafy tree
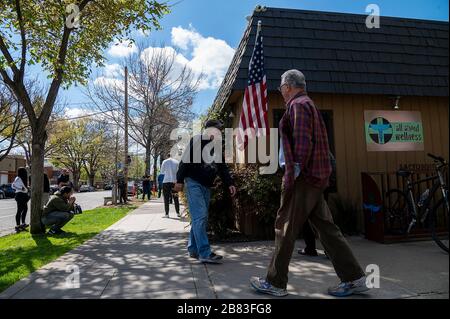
<point x="98" y="148"/>
<point x="72" y="152"/>
<point x="11" y="119"/>
<point x="64" y="38"/>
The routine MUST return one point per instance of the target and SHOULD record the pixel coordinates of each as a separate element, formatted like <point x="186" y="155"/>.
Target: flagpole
<point x="258" y="30"/>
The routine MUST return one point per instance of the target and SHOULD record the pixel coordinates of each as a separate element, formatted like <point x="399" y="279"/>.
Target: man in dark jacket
<point x="146" y="187"/>
<point x="199" y="174"/>
<point x="64" y="178"/>
<point x="123" y="190"/>
<point x="59" y="210"/>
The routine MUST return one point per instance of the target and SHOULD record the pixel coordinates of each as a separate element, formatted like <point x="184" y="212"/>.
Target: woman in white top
<point x="20" y="185"/>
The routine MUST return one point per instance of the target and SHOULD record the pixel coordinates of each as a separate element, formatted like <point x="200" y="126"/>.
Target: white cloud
<point x="108" y="82"/>
<point x="143" y="33"/>
<point x="75" y="112"/>
<point x="122" y="49"/>
<point x="203" y="55"/>
<point x="112" y="70"/>
<point x="210" y="56"/>
<point x="183" y="37"/>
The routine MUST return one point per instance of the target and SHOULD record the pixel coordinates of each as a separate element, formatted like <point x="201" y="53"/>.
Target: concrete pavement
<point x="8" y="209"/>
<point x="144" y="256"/>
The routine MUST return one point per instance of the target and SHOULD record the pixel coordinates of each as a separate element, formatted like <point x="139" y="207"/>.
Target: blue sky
<point x="209" y="31"/>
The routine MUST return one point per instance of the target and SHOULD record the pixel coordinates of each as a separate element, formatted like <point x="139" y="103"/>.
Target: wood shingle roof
<point x="339" y="54"/>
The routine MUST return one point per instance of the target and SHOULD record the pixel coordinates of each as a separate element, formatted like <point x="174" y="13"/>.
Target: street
<point x="8" y="208"/>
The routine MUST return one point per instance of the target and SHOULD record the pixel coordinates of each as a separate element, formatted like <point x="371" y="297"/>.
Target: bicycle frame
<point x="424" y="209"/>
<point x="443" y="185"/>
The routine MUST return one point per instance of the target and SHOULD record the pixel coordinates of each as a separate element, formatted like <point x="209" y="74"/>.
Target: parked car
<point x="131" y="189"/>
<point x="86" y="188"/>
<point x="108" y="187"/>
<point x="2" y="194"/>
<point x="8" y="190"/>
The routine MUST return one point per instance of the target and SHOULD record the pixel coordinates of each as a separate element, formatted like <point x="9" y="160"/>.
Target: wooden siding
<point x="352" y="157"/>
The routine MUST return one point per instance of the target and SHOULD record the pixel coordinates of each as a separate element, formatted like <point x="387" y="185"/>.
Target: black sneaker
<point x="55" y="231"/>
<point x="212" y="259"/>
<point x="18" y="229"/>
<point x="195" y="256"/>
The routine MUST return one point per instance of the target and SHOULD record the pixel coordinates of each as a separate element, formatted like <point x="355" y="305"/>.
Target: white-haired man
<point x="304" y="153"/>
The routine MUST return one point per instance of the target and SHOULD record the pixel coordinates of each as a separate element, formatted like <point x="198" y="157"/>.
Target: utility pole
<point x="116" y="159"/>
<point x="125" y="163"/>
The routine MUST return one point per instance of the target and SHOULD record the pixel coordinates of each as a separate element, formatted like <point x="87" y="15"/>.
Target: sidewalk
<point x="144" y="256"/>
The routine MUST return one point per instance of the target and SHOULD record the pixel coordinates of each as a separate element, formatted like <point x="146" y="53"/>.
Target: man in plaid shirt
<point x="304" y="155"/>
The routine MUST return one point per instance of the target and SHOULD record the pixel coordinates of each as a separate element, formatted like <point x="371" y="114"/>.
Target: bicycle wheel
<point x="397" y="212"/>
<point x="439" y="224"/>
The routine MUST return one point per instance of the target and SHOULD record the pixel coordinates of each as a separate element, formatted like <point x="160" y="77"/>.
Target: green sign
<point x="393" y="131"/>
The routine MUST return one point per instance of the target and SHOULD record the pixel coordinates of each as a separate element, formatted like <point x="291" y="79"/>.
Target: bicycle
<point x="406" y="212"/>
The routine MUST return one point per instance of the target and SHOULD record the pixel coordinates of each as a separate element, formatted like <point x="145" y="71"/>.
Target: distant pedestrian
<point x="160" y="184"/>
<point x="146" y="187"/>
<point x="306" y="152"/>
<point x="123" y="191"/>
<point x="169" y="168"/>
<point x="64" y="178"/>
<point x="20" y="186"/>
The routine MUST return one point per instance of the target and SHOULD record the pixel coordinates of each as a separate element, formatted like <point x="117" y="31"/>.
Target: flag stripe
<point x="249" y="109"/>
<point x="264" y="104"/>
<point x="254" y="105"/>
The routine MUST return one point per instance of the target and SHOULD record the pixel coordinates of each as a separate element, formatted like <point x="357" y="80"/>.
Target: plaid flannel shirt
<point x="305" y="141"/>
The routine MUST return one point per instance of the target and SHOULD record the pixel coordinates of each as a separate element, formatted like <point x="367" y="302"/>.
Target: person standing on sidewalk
<point x="306" y="176"/>
<point x="199" y="173"/>
<point x="160" y="184"/>
<point x="123" y="190"/>
<point x="169" y="168"/>
<point x="146" y="187"/>
<point x="20" y="186"/>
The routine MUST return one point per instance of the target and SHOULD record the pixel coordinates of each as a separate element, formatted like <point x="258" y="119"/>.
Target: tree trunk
<point x="155" y="166"/>
<point x="148" y="156"/>
<point x="37" y="183"/>
<point x="92" y="179"/>
<point x="76" y="178"/>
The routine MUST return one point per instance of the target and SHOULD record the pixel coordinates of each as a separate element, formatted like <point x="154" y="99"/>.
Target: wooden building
<point x="349" y="68"/>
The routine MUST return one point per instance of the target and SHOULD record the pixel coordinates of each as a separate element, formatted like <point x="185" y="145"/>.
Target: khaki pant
<point x="298" y="205"/>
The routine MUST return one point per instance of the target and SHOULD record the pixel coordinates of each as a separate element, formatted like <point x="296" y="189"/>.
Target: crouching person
<point x="59" y="210"/>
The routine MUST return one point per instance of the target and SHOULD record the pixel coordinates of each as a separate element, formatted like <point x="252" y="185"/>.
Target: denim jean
<point x="56" y="220"/>
<point x="198" y="200"/>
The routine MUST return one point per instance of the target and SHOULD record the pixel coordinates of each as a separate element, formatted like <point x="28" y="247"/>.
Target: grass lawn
<point x="22" y="254"/>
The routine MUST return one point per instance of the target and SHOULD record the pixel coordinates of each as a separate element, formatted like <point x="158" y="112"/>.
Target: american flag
<point x="254" y="106"/>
